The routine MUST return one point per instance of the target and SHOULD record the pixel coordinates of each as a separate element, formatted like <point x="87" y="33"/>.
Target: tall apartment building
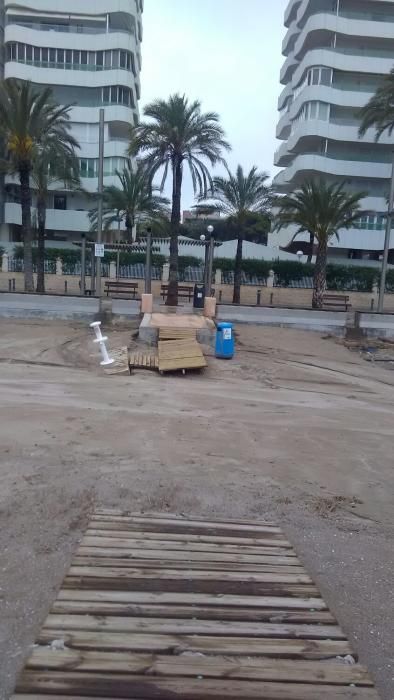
<point x="89" y="54"/>
<point x="336" y="53"/>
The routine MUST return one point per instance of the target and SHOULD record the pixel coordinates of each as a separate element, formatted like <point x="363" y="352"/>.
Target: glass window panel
<point x="37" y="53"/>
<point x="77" y="57"/>
<point x="325" y="76"/>
<point x="44" y="55"/>
<point x="29" y="53"/>
<point x="106" y="95"/>
<point x="123" y="59"/>
<point x="21" y="52"/>
<point x="52" y="55"/>
<point x="69" y="56"/>
<point x="315" y="76"/>
<point x="115" y="59"/>
<point x="114" y="94"/>
<point x="100" y="58"/>
<point x="108" y="59"/>
<point x="312" y="110"/>
<point x="60" y="55"/>
<point x="84" y="58"/>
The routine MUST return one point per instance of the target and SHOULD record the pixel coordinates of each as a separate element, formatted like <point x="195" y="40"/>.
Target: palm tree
<point x="27" y="118"/>
<point x="178" y="133"/>
<point x="379" y="111"/>
<point x="54" y="162"/>
<point x="321" y="210"/>
<point x="135" y="200"/>
<point x="237" y="196"/>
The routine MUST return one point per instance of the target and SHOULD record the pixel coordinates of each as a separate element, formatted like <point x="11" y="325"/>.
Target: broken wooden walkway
<point x="163" y="607"/>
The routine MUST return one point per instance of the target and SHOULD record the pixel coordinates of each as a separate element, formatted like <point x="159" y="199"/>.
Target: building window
<point x="60" y="201"/>
<point x="67" y="59"/>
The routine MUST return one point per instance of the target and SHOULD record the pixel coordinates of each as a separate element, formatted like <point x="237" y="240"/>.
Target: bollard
<point x="100" y="339"/>
<point x="271" y="298"/>
<point x="258" y="302"/>
<point x="65" y="287"/>
<point x="13" y="284"/>
<point x="10" y="285"/>
<point x="372" y="304"/>
<point x="220" y="295"/>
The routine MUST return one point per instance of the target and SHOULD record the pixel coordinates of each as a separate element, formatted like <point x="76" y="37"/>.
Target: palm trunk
<point x="41" y="222"/>
<point x="311" y="242"/>
<point x="172" y="296"/>
<point x="24" y="179"/>
<point x="319" y="278"/>
<point x="238" y="269"/>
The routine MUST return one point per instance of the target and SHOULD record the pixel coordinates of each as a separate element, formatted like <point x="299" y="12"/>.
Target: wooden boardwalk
<point x="164" y="608"/>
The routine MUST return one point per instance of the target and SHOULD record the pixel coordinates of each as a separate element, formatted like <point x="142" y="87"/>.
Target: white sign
<point x="99" y="250"/>
<point x="226" y="333"/>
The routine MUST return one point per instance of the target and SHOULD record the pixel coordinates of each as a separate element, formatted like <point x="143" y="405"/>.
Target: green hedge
<point x="339" y="277"/>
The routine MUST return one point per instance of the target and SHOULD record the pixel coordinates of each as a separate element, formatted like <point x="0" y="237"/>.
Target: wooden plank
<point x="91" y="559"/>
<point x="110" y="541"/>
<point x="108" y="529"/>
<point x="187" y="585"/>
<point x="96" y="549"/>
<point x="218" y="667"/>
<point x="181" y="363"/>
<point x="193" y="599"/>
<point x="186" y="611"/>
<point x="151" y="625"/>
<point x="188" y="525"/>
<point x="114" y="572"/>
<point x="201" y="644"/>
<point x="103" y="684"/>
<point x="180" y="517"/>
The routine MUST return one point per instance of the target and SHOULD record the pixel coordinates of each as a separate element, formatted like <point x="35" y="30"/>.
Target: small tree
<point x="54" y="162"/>
<point x="319" y="210"/>
<point x="178" y="134"/>
<point x="27" y="118"/>
<point x="135" y="200"/>
<point x="237" y="196"/>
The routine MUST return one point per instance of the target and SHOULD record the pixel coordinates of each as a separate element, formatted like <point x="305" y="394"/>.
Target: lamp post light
<point x="299" y="255"/>
<point x="211" y="249"/>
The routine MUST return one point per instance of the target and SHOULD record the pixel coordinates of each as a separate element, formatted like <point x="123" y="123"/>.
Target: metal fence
<point x="16" y="265"/>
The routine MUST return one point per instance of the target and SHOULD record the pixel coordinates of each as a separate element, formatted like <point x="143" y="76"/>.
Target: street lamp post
<point x="390" y="213"/>
<point x="148" y="261"/>
<point x="211" y="247"/>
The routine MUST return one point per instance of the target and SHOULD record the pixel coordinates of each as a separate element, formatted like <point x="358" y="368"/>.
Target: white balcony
<point x="327" y="130"/>
<point x="69" y="78"/>
<point x="91" y="115"/>
<point x="56" y="220"/>
<point x="307" y="164"/>
<point x="73" y="7"/>
<point x="343" y="61"/>
<point x="69" y="40"/>
<point x="291" y="11"/>
<point x="336" y="24"/>
<point x="353" y="239"/>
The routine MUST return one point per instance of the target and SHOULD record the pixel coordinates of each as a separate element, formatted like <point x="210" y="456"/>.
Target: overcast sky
<point x="227" y="54"/>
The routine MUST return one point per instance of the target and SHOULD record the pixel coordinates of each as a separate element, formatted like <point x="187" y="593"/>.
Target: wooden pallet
<point x="142" y="360"/>
<point x="177" y="334"/>
<point x="161" y="607"/>
<point x="180" y="355"/>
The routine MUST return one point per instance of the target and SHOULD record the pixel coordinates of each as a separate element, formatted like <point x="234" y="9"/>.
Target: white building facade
<point x="89" y="53"/>
<point x="336" y="53"/>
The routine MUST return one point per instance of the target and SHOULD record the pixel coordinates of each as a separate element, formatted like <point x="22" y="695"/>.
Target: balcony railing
<point x="71" y="28"/>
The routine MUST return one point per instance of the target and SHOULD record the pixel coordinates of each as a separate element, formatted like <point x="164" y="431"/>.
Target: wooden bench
<point x="337" y="301"/>
<point x="122" y="288"/>
<point x="183" y="291"/>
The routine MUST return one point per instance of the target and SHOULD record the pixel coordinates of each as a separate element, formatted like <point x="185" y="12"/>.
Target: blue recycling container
<point x="224" y="346"/>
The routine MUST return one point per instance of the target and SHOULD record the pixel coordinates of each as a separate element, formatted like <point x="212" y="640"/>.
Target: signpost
<point x="99" y="250"/>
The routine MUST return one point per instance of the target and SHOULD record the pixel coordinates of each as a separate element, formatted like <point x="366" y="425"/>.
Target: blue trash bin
<point x="224" y="346"/>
